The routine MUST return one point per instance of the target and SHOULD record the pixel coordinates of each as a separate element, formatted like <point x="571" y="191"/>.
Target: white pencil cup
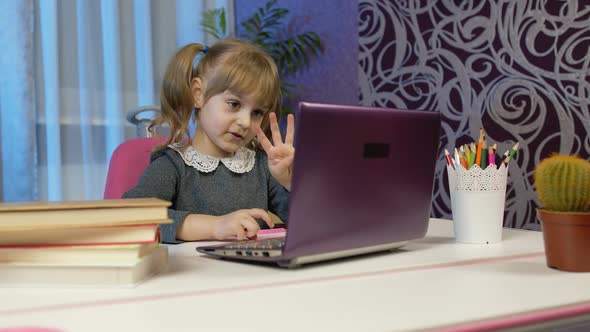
<point x="477" y="199"/>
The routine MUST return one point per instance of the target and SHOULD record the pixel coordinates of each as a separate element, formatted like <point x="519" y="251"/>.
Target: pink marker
<point x="270" y="233"/>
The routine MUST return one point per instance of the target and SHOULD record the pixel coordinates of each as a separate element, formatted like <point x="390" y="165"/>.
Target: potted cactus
<point x="562" y="183"/>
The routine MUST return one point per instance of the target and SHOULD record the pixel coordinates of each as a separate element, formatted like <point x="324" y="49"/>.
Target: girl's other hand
<point x="280" y="154"/>
<point x="240" y="225"/>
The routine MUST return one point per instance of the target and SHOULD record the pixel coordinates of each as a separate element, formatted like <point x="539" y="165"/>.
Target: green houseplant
<point x="562" y="184"/>
<point x="292" y="52"/>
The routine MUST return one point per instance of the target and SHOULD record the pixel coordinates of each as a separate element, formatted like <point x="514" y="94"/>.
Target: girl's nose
<point x="244" y="119"/>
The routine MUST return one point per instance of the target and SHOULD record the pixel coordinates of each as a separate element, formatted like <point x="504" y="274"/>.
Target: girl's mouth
<point x="237" y="136"/>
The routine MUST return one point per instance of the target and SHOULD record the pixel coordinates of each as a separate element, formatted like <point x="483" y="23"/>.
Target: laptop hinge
<point x="338" y="254"/>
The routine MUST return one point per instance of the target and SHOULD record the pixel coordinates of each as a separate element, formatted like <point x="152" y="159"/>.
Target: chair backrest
<point x="127" y="163"/>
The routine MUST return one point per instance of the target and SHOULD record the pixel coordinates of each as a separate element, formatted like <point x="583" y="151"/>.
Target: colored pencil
<point x="457" y="159"/>
<point x="467" y="153"/>
<point x="513" y="151"/>
<point x="484" y="156"/>
<point x="449" y="161"/>
<point x="492" y="155"/>
<point x="479" y="147"/>
<point x="472" y="155"/>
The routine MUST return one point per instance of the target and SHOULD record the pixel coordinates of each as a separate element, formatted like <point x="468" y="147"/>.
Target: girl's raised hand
<point x="240" y="225"/>
<point x="280" y="154"/>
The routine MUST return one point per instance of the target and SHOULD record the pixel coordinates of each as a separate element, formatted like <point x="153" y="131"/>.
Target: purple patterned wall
<point x="519" y="69"/>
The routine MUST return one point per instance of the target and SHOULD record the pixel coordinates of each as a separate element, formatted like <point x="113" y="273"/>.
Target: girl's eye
<point x="233" y="104"/>
<point x="258" y="114"/>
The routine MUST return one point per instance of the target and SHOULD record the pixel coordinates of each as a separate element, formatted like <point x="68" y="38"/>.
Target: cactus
<point x="563" y="183"/>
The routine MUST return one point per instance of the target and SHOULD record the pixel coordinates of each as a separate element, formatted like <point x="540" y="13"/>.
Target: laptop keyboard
<point x="258" y="244"/>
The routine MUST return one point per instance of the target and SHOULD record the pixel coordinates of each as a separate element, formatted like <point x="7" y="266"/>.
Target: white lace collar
<point x="241" y="162"/>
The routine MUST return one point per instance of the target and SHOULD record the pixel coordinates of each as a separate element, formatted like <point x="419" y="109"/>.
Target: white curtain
<point x="71" y="69"/>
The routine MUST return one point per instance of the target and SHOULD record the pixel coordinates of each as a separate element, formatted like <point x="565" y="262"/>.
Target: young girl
<point x="220" y="182"/>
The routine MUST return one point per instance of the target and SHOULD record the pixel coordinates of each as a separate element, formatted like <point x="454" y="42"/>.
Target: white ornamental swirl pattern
<point x="517" y="69"/>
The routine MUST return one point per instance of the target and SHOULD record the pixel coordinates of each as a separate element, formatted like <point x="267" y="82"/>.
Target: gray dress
<point x="215" y="193"/>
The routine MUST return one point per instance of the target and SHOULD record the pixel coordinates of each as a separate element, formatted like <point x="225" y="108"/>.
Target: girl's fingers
<point x="239" y="231"/>
<point x="290" y="129"/>
<point x="261" y="214"/>
<point x="266" y="145"/>
<point x="274" y="128"/>
<point x="250" y="227"/>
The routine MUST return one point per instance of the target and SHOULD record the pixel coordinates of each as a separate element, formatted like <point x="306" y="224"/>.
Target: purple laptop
<point x="362" y="182"/>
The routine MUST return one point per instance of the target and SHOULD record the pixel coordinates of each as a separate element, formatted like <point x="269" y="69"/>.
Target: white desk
<point x="433" y="283"/>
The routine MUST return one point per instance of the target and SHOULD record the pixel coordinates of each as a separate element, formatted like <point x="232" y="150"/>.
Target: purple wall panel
<point x="332" y="78"/>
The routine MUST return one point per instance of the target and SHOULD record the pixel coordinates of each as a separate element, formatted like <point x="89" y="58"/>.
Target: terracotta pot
<point x="567" y="240"/>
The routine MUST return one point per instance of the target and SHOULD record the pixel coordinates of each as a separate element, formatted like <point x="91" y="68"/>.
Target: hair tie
<point x="198" y="57"/>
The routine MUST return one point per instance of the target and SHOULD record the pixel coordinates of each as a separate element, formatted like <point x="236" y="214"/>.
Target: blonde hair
<point x="230" y="64"/>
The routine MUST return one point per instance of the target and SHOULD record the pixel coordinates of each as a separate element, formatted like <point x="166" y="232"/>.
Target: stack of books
<point x="84" y="243"/>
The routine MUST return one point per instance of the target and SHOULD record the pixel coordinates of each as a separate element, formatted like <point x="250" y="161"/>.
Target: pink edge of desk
<point x="524" y="319"/>
<point x="28" y="329"/>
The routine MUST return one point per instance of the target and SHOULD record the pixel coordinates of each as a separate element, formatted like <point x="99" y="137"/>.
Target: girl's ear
<point x="197" y="92"/>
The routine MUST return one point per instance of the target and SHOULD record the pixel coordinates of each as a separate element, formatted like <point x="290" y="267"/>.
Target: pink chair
<point x="128" y="162"/>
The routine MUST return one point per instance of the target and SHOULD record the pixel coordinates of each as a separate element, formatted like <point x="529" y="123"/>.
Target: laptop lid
<point x="362" y="177"/>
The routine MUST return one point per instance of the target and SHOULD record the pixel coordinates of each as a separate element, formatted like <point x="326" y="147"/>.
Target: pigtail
<point x="176" y="99"/>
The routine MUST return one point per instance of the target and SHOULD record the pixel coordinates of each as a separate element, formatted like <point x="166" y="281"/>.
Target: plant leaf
<point x="222" y="22"/>
<point x="302" y="55"/>
<point x="213" y="22"/>
<point x="270" y="4"/>
<point x="250" y="27"/>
